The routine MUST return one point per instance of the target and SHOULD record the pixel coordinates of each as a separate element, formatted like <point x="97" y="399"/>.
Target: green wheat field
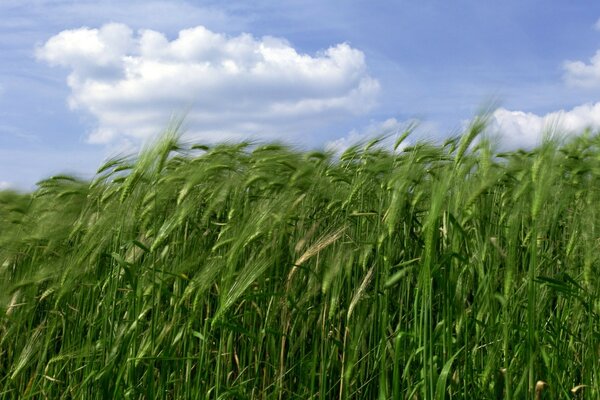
<point x="257" y="271"/>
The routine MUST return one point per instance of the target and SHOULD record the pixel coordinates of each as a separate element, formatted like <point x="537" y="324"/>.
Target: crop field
<point x="256" y="271"/>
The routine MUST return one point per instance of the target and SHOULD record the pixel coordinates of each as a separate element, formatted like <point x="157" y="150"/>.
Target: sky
<point x="81" y="81"/>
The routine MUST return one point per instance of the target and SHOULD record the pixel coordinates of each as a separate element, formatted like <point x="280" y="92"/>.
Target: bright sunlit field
<point x="244" y="271"/>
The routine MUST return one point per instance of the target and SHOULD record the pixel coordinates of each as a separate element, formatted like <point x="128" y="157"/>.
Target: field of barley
<point x="256" y="271"/>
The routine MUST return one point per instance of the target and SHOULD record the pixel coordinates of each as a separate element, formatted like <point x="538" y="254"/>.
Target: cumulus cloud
<point x="581" y="74"/>
<point x="132" y="82"/>
<point x="526" y="129"/>
<point x="389" y="130"/>
<point x="5" y="185"/>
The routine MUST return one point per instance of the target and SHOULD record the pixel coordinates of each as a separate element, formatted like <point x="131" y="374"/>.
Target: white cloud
<point x="133" y="82"/>
<point x="390" y="130"/>
<point x="525" y="129"/>
<point x="580" y="74"/>
<point x="5" y="185"/>
<point x="597" y="25"/>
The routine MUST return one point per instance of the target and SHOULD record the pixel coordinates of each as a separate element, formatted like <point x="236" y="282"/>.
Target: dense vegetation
<point x="256" y="271"/>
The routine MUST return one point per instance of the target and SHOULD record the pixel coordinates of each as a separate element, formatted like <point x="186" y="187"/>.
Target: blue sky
<point x="82" y="80"/>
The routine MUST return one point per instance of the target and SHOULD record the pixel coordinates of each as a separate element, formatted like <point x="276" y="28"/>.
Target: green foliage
<point x="244" y="271"/>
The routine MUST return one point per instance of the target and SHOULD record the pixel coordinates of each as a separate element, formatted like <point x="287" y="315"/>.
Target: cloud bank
<point x="524" y="129"/>
<point x="132" y="82"/>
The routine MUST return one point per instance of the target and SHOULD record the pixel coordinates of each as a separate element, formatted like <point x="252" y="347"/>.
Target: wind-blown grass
<point x="238" y="271"/>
